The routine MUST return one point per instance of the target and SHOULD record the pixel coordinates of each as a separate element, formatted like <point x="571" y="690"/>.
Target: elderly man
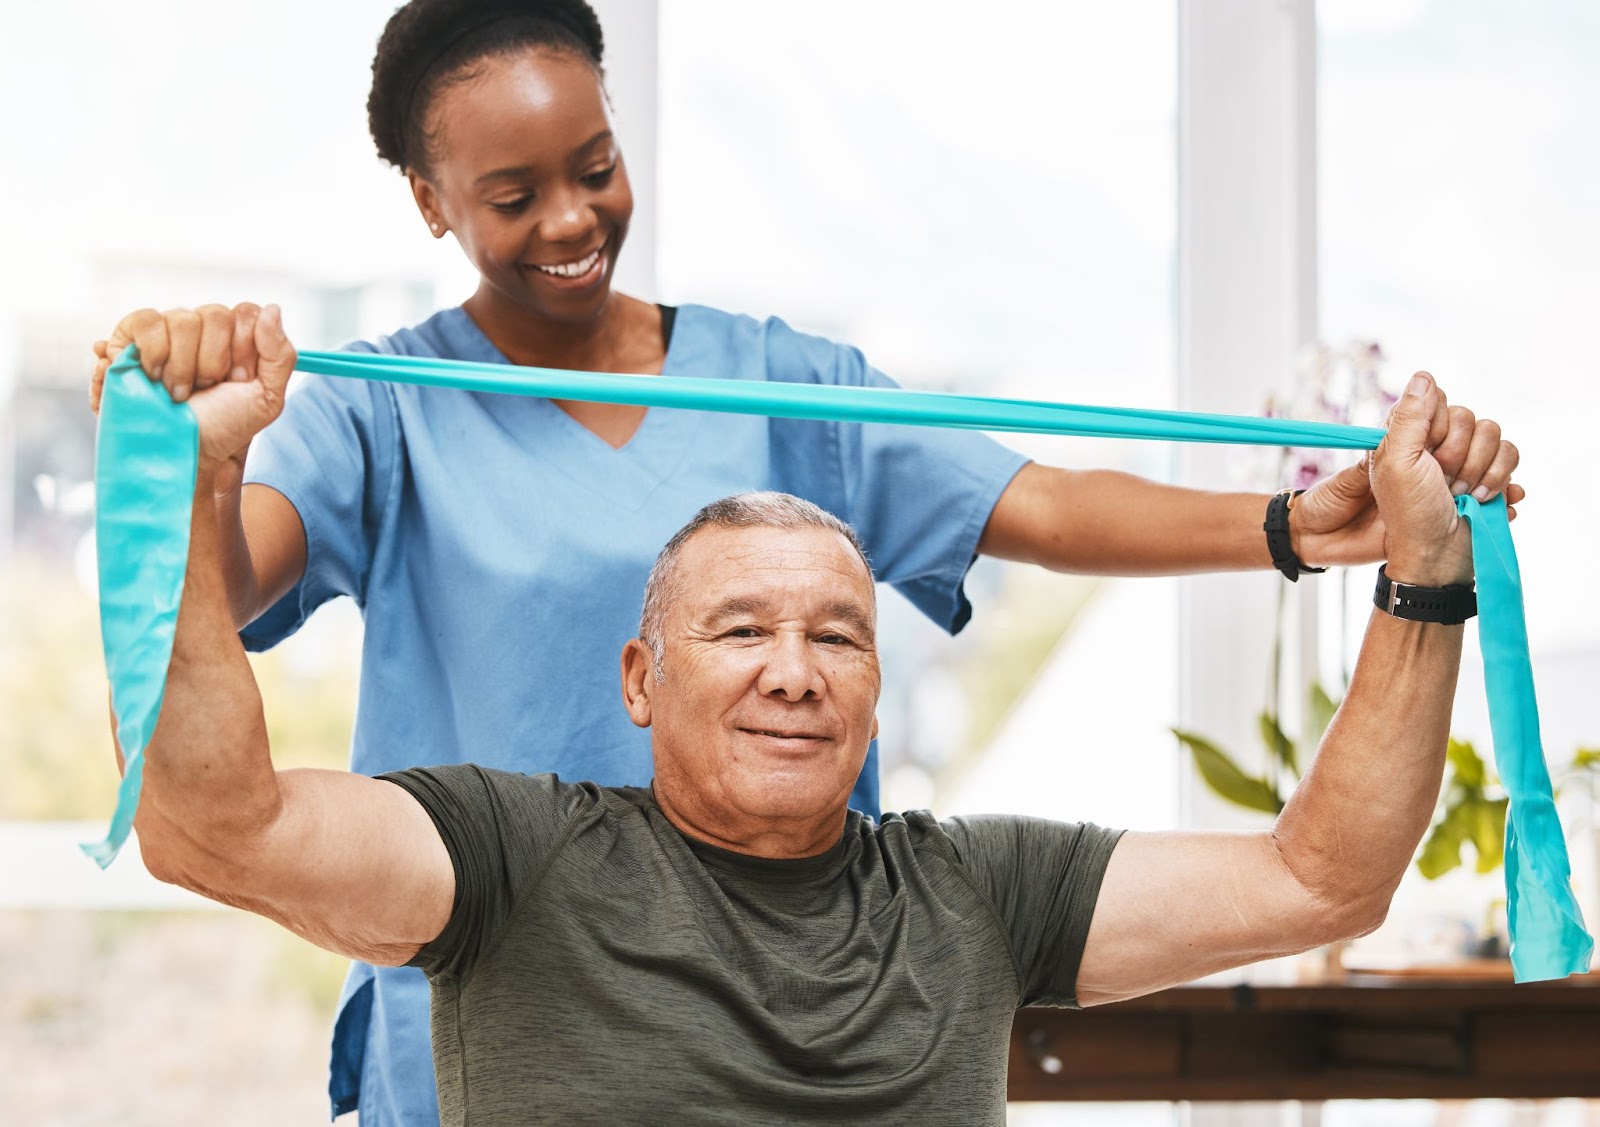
<point x="732" y="945"/>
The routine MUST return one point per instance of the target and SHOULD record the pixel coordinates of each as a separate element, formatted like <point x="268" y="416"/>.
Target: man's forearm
<point x="1354" y="822"/>
<point x="1104" y="522"/>
<point x="353" y="864"/>
<point x="209" y="779"/>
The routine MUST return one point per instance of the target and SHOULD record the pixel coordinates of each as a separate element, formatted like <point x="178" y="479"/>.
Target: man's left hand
<point x="1336" y="523"/>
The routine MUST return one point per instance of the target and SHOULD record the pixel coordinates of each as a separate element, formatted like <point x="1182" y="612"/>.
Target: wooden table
<point x="1363" y="1036"/>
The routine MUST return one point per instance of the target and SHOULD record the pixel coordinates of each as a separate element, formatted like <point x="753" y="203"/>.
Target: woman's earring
<point x="437" y="230"/>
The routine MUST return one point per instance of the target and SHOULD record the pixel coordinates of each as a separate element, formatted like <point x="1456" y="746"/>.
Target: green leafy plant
<point x="1267" y="793"/>
<point x="1472" y="806"/>
<point x="1473" y="811"/>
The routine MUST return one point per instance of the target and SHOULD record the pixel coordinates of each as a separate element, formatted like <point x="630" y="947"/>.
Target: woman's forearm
<point x="239" y="573"/>
<point x="1104" y="522"/>
<point x="262" y="543"/>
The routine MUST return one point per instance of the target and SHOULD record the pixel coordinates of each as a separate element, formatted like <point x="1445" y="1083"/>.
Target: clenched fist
<point x="231" y="366"/>
<point x="1424" y="540"/>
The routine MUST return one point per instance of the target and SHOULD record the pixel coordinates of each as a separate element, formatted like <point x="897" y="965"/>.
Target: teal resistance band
<point x="143" y="460"/>
<point x="147" y="452"/>
<point x="845" y="404"/>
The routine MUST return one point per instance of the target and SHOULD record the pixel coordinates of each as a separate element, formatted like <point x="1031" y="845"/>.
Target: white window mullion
<point x="1246" y="304"/>
<point x="632" y="30"/>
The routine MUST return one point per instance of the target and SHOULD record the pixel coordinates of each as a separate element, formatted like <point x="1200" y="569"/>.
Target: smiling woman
<point x="543" y="234"/>
<point x="502" y="126"/>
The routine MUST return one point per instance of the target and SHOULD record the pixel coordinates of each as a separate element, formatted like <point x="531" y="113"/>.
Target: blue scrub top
<point x="498" y="550"/>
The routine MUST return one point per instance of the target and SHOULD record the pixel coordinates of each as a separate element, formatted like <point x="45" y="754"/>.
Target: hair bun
<point x="424" y="34"/>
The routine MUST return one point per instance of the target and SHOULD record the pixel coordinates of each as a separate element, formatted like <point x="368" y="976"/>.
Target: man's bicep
<point x="1176" y="906"/>
<point x="356" y="866"/>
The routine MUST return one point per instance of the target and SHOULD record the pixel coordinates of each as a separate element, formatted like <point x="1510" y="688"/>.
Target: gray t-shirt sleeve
<point x="1043" y="879"/>
<point x="501" y="829"/>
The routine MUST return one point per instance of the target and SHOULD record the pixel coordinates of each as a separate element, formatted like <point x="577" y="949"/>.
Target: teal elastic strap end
<point x="1548" y="939"/>
<point x="146" y="457"/>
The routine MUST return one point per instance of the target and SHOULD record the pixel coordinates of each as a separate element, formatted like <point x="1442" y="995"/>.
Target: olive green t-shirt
<point x="599" y="967"/>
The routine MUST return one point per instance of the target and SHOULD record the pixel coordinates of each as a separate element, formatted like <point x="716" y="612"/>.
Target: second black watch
<point x="1276" y="527"/>
<point x="1451" y="605"/>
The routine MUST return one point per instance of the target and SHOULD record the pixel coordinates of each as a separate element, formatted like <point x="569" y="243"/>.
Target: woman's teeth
<point x="572" y="269"/>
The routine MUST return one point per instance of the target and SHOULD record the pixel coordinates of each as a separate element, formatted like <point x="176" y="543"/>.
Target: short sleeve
<point x="333" y="454"/>
<point x="501" y="829"/>
<point x="1043" y="878"/>
<point x="919" y="497"/>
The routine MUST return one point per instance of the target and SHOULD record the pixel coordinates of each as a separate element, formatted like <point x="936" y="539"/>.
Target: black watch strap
<point x="1276" y="527"/>
<point x="1452" y="605"/>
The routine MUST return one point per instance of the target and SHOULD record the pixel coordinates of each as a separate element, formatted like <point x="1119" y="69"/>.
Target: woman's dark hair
<point x="429" y="43"/>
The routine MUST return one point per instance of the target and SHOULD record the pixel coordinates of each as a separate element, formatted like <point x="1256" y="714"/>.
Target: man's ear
<point x="638" y="677"/>
<point x="874" y="727"/>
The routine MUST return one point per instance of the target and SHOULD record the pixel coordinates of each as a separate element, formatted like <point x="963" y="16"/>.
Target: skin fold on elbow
<point x="163" y="851"/>
<point x="213" y="865"/>
<point x="1337" y="901"/>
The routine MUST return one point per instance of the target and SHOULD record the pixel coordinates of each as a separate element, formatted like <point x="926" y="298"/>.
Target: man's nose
<point x="791" y="670"/>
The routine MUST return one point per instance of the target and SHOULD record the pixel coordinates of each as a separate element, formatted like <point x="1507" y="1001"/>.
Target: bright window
<point x="982" y="201"/>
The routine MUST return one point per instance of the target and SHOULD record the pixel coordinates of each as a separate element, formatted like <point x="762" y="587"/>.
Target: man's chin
<point x="789" y="796"/>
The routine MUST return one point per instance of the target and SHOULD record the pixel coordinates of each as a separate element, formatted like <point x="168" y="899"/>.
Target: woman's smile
<point x="576" y="273"/>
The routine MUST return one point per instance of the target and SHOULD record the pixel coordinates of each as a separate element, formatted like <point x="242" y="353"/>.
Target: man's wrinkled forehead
<point x="727" y="571"/>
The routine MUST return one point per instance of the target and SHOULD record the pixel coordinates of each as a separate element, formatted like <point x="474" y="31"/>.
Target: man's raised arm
<point x="352" y="864"/>
<point x="1176" y="906"/>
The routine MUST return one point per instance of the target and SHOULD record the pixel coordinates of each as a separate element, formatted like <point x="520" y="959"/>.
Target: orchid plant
<point x="1331" y="385"/>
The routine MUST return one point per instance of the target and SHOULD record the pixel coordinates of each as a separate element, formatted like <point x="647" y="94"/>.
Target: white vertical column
<point x="1247" y="302"/>
<point x="632" y="34"/>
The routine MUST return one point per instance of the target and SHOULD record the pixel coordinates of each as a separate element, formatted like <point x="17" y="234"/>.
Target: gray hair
<point x="743" y="510"/>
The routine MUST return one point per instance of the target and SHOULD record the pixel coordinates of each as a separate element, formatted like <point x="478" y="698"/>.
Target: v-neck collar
<point x="623" y="475"/>
<point x="480" y="343"/>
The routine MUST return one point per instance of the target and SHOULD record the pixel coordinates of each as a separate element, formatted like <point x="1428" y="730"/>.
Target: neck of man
<point x="774" y="838"/>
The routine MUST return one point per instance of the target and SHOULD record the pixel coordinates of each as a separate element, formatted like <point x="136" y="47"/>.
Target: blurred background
<point x="1027" y="199"/>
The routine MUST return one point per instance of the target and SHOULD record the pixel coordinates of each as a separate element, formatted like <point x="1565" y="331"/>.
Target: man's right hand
<point x="1425" y="541"/>
<point x="231" y="366"/>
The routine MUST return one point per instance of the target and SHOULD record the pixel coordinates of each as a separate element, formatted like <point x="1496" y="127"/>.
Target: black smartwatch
<point x="1451" y="605"/>
<point x="1276" y="527"/>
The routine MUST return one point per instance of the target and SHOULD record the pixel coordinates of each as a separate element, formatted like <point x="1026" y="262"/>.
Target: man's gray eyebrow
<point x="854" y="615"/>
<point x="738" y="604"/>
<point x="848" y="612"/>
